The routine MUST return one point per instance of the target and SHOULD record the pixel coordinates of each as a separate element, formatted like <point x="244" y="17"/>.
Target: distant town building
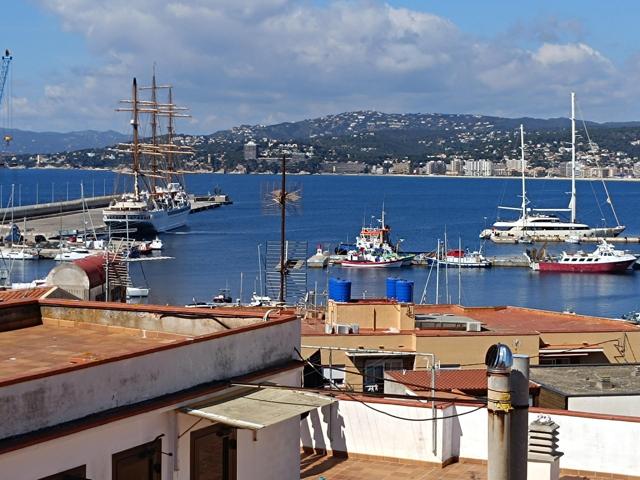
<point x="344" y="167"/>
<point x="402" y="168"/>
<point x="250" y="150"/>
<point x="456" y="167"/>
<point x="478" y="168"/>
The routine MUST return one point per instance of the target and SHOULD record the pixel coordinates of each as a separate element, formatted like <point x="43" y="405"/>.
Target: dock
<point x="52" y="218"/>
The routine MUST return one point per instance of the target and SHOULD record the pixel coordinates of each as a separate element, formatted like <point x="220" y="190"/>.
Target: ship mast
<point x="523" y="165"/>
<point x="154" y="130"/>
<point x="135" y="150"/>
<point x="170" y="134"/>
<point x="572" y="202"/>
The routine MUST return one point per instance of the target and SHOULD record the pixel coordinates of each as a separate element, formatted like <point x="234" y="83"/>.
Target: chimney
<point x="544" y="457"/>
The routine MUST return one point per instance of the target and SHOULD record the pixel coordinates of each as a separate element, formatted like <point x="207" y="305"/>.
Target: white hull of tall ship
<point x="146" y="220"/>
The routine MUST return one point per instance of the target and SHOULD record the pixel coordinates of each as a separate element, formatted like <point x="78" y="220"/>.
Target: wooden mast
<point x="154" y="130"/>
<point x="135" y="150"/>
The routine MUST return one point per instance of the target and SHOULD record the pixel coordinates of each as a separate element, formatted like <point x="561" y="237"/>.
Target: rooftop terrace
<point x="588" y="380"/>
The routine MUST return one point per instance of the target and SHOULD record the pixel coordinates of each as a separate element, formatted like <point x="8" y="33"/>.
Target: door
<point x="213" y="453"/>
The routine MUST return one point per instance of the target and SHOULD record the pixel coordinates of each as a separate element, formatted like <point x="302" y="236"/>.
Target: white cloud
<point x="242" y="61"/>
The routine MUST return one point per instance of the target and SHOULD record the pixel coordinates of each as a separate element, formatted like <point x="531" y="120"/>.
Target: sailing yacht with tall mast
<point x="158" y="202"/>
<point x="540" y="224"/>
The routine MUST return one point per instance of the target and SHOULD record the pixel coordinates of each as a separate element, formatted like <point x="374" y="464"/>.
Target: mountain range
<point x="28" y="142"/>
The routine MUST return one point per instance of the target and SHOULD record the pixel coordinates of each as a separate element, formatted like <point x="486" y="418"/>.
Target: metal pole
<point x="434" y="412"/>
<point x="519" y="417"/>
<point x="52" y="190"/>
<point x="19" y="194"/>
<point x="499" y="361"/>
<point x="283" y="217"/>
<point x="37" y="193"/>
<point x="67" y="191"/>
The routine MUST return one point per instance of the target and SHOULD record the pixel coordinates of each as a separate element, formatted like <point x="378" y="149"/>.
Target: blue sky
<point x="266" y="61"/>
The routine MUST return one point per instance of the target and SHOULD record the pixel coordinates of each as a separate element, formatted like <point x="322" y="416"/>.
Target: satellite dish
<point x="498" y="357"/>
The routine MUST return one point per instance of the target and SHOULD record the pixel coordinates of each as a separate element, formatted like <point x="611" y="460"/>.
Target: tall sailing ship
<point x="543" y="224"/>
<point x="158" y="202"/>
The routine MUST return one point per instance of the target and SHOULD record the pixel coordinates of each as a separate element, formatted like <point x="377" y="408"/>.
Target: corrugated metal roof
<point x="260" y="408"/>
<point x="94" y="268"/>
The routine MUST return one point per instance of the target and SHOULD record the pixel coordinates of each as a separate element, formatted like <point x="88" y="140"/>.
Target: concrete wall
<point x="610" y="405"/>
<point x="376" y="316"/>
<point x="589" y="443"/>
<point x="36" y="404"/>
<point x="354" y="428"/>
<point x="275" y="454"/>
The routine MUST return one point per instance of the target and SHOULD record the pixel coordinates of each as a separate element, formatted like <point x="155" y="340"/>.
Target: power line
<point x="397" y="417"/>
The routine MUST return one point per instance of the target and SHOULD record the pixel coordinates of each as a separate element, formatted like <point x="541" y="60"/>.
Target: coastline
<point x="324" y="174"/>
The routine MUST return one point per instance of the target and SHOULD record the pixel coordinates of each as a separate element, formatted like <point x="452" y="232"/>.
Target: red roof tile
<point x="24" y="293"/>
<point x="475" y="379"/>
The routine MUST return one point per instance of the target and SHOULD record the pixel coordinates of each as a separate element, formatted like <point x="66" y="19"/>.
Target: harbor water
<point x="221" y="244"/>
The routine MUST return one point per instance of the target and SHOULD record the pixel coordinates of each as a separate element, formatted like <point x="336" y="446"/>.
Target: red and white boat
<point x="374" y="249"/>
<point x="605" y="259"/>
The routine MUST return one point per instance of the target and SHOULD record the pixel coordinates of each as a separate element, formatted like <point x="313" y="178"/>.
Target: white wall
<point x="277" y="449"/>
<point x="588" y="443"/>
<point x="48" y="401"/>
<point x="355" y="428"/>
<point x="628" y="405"/>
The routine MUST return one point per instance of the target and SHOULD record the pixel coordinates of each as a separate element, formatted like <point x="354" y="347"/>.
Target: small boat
<point x="223" y="297"/>
<point x="72" y="254"/>
<point x="137" y="292"/>
<point x="319" y="260"/>
<point x="18" y="253"/>
<point x="463" y="259"/>
<point x="144" y="248"/>
<point x="156" y="244"/>
<point x="605" y="259"/>
<point x="572" y="239"/>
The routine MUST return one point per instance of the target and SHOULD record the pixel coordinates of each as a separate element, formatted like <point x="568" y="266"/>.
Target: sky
<point x="236" y="62"/>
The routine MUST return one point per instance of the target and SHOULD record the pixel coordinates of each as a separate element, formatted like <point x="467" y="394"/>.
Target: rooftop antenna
<point x="280" y="200"/>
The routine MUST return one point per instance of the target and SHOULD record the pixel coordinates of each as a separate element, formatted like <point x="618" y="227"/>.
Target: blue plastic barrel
<point x="391" y="287"/>
<point x="404" y="291"/>
<point x="339" y="290"/>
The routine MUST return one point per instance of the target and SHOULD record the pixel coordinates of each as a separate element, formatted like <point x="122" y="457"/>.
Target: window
<point x="374" y="373"/>
<point x="213" y="453"/>
<point x="336" y="373"/>
<point x="78" y="473"/>
<point x="138" y="463"/>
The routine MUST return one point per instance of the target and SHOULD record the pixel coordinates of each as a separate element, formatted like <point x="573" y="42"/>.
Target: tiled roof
<point x="24" y="293"/>
<point x="475" y="379"/>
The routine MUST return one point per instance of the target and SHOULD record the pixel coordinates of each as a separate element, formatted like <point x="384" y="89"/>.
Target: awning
<point x="260" y="408"/>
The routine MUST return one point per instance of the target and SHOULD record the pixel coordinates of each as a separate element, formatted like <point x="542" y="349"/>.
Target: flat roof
<point x="587" y="380"/>
<point x="72" y="334"/>
<point x="502" y="320"/>
<point x="507" y="319"/>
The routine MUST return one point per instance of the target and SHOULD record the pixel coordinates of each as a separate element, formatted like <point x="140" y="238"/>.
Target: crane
<point x="4" y="72"/>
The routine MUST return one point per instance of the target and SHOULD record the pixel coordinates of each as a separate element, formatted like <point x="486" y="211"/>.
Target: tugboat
<point x="373" y="249"/>
<point x="605" y="259"/>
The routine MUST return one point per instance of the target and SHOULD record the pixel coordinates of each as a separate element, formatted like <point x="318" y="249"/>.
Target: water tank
<point x="404" y="291"/>
<point x="391" y="287"/>
<point x="339" y="290"/>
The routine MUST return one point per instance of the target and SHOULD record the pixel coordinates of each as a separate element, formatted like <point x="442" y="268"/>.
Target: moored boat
<point x="541" y="224"/>
<point x="373" y="249"/>
<point x="605" y="259"/>
<point x="463" y="258"/>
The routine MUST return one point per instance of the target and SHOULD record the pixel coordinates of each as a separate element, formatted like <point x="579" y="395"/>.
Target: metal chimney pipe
<point x="519" y="416"/>
<point x="499" y="360"/>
